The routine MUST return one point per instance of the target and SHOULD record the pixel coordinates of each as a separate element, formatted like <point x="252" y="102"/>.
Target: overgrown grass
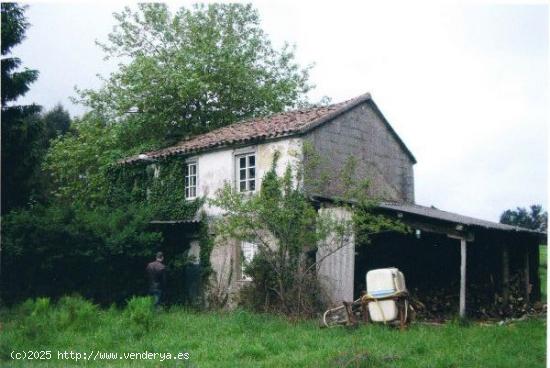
<point x="243" y="339"/>
<point x="543" y="268"/>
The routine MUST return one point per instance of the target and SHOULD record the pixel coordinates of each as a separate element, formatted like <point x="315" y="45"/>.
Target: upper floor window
<point x="191" y="180"/>
<point x="246" y="173"/>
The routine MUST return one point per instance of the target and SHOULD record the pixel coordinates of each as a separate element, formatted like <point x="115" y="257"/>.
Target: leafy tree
<point x="535" y="218"/>
<point x="78" y="162"/>
<point x="57" y="122"/>
<point x="186" y="73"/>
<point x="21" y="136"/>
<point x="193" y="71"/>
<point x="50" y="125"/>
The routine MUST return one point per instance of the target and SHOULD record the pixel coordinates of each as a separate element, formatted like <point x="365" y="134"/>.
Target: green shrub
<point x="36" y="322"/>
<point x="77" y="313"/>
<point x="140" y="312"/>
<point x="99" y="253"/>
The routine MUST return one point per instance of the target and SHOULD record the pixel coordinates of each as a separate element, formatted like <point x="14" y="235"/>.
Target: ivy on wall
<point x="159" y="185"/>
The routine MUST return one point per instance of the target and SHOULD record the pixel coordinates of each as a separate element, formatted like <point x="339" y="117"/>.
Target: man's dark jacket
<point x="156" y="273"/>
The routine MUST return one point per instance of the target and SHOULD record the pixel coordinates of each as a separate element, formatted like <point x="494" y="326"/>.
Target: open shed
<point x="474" y="259"/>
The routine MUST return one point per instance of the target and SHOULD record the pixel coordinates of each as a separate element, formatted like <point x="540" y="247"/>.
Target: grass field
<point x="242" y="339"/>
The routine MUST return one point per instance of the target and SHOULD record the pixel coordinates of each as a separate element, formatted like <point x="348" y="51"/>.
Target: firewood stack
<point x="482" y="302"/>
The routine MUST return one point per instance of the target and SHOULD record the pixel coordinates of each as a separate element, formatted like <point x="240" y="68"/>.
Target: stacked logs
<point x="482" y="302"/>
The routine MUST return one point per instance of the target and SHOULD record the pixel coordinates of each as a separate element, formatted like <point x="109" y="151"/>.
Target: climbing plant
<point x="159" y="185"/>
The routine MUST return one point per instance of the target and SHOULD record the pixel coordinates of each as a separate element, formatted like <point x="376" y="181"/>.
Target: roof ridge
<point x="253" y="120"/>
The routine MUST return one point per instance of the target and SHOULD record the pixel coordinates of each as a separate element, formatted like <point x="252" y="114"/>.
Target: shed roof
<point x="435" y="213"/>
<point x="279" y="125"/>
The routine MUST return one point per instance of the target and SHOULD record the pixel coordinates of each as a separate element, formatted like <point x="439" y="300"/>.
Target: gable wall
<point x="362" y="134"/>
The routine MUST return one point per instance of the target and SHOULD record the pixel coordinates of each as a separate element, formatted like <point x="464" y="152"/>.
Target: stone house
<point x="243" y="152"/>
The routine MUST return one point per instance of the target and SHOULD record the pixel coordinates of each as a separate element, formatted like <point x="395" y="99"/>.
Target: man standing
<point x="157" y="277"/>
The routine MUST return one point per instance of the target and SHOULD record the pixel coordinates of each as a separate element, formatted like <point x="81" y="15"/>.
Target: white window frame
<point x="247" y="177"/>
<point x="248" y="252"/>
<point x="188" y="186"/>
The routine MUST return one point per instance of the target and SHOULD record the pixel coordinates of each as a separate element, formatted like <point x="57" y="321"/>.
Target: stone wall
<point x="361" y="133"/>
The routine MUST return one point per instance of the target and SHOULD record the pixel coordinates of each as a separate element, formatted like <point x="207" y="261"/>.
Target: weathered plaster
<point x="218" y="167"/>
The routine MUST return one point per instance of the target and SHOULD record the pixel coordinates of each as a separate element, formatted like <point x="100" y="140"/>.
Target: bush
<point x="36" y="319"/>
<point x="77" y="313"/>
<point x="140" y="312"/>
<point x="99" y="253"/>
<point x="303" y="292"/>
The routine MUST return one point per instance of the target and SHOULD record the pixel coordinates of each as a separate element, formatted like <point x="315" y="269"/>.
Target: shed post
<point x="526" y="280"/>
<point x="505" y="274"/>
<point x="462" y="305"/>
<point x="534" y="277"/>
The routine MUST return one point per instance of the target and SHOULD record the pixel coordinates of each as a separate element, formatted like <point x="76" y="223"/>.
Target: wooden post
<point x="505" y="274"/>
<point x="534" y="261"/>
<point x="462" y="306"/>
<point x="526" y="280"/>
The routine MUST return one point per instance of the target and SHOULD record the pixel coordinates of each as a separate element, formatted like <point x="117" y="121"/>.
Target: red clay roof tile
<point x="263" y="128"/>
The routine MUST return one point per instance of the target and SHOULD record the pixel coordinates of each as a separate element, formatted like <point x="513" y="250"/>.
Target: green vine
<point x="158" y="185"/>
<point x="206" y="241"/>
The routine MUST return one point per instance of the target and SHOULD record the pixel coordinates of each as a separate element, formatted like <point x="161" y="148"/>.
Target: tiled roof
<point x="260" y="129"/>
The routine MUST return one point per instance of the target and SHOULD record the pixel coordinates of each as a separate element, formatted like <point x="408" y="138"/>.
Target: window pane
<point x="251" y="173"/>
<point x="186" y="192"/>
<point x="242" y="174"/>
<point x="193" y="181"/>
<point x="251" y="185"/>
<point x="242" y="186"/>
<point x="187" y="181"/>
<point x="242" y="162"/>
<point x="193" y="192"/>
<point x="251" y="160"/>
<point x="193" y="169"/>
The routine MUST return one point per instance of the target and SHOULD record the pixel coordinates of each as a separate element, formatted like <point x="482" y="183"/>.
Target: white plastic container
<point x="380" y="283"/>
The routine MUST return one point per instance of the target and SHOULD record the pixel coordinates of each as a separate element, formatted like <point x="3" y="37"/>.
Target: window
<point x="246" y="173"/>
<point x="191" y="180"/>
<point x="248" y="252"/>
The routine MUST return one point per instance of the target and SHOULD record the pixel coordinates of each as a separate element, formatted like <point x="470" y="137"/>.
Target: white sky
<point x="464" y="85"/>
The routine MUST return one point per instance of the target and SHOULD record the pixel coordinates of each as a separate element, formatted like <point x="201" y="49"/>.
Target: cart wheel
<point x="335" y="317"/>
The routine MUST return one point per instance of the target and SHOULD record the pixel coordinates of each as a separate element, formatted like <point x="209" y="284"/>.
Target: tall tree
<point x="536" y="218"/>
<point x="192" y="71"/>
<point x="185" y="73"/>
<point x="57" y="122"/>
<point x="21" y="135"/>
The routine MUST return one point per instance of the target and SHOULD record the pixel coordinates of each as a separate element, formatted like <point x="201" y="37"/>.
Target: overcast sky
<point x="465" y="86"/>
